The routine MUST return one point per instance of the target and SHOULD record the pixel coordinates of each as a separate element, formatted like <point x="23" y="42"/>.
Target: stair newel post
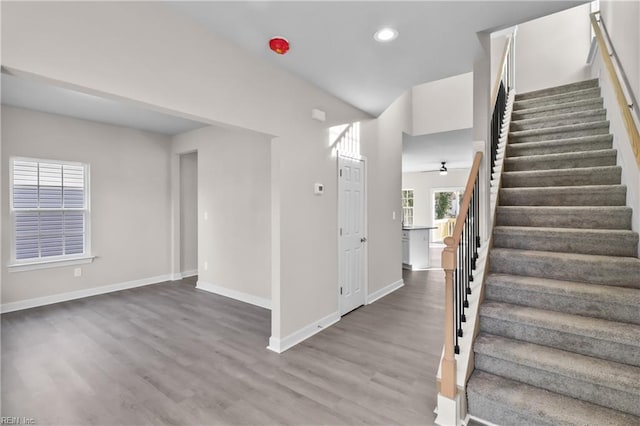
<point x="448" y="262"/>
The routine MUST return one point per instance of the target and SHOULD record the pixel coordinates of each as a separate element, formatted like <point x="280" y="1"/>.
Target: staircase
<point x="559" y="340"/>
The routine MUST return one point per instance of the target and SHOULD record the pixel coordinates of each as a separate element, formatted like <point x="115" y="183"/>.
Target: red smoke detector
<point x="280" y="45"/>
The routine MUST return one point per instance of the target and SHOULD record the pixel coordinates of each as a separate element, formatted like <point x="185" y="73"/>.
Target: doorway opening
<point x="189" y="215"/>
<point x="446" y="204"/>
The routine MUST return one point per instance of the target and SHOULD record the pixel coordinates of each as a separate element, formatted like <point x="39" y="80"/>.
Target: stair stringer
<point x="464" y="360"/>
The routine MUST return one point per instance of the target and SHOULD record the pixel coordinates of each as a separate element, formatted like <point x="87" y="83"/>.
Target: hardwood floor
<point x="171" y="354"/>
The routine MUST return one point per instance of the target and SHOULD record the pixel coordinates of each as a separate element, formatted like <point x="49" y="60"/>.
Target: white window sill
<point x="44" y="264"/>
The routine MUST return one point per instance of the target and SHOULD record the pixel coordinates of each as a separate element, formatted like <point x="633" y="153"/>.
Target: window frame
<point x="406" y="208"/>
<point x="16" y="265"/>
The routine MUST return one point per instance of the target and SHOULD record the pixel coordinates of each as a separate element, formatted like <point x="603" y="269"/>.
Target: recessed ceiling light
<point x="385" y="34"/>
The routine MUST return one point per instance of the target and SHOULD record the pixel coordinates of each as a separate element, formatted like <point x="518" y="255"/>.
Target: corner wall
<point x="233" y="213"/>
<point x="552" y="50"/>
<point x="130" y="199"/>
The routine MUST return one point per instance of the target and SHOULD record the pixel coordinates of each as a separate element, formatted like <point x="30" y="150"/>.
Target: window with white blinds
<point x="49" y="205"/>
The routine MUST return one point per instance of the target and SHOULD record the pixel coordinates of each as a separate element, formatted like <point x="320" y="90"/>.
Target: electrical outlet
<point x="77" y="272"/>
<point x="393" y="215"/>
<point x="206" y="266"/>
<point x="206" y="215"/>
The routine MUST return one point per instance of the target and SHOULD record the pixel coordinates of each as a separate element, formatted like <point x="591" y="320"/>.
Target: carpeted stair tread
<point x="565" y="88"/>
<point x="587" y="268"/>
<point x="610" y="340"/>
<point x="565" y="160"/>
<point x="595" y="380"/>
<point x="603" y="217"/>
<point x="560" y="98"/>
<point x="560" y="132"/>
<point x="511" y="403"/>
<point x="584" y="143"/>
<point x="604" y="242"/>
<point x="605" y="302"/>
<point x="559" y="324"/>
<point x="579" y="176"/>
<point x="559" y="120"/>
<point x="554" y="109"/>
<point x="587" y="195"/>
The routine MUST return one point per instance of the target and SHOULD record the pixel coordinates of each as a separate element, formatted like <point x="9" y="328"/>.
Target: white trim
<point x="281" y="345"/>
<point x="233" y="294"/>
<point x="79" y="294"/>
<point x="44" y="264"/>
<point x="384" y="291"/>
<point x="448" y="411"/>
<point x="477" y="420"/>
<point x="187" y="274"/>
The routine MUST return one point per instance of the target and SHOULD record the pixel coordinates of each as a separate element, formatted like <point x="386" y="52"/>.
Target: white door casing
<point x="351" y="233"/>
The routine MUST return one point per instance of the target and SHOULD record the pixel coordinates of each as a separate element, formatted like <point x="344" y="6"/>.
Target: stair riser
<point x="557" y="99"/>
<point x="605" y="245"/>
<point x="605" y="272"/>
<point x="525" y="164"/>
<point x="583" y="220"/>
<point x="506" y="402"/>
<point x="553" y="121"/>
<point x="605" y="349"/>
<point x="541" y="148"/>
<point x="567" y="88"/>
<point x="499" y="414"/>
<point x="551" y="110"/>
<point x="560" y="134"/>
<point x="586" y="391"/>
<point x="564" y="303"/>
<point x="608" y="177"/>
<point x="526" y="197"/>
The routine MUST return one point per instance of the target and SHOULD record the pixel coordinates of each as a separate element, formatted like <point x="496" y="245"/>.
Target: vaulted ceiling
<point x="332" y="43"/>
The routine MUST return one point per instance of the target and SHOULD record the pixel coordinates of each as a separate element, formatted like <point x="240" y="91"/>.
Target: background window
<point x="407" y="207"/>
<point x="49" y="208"/>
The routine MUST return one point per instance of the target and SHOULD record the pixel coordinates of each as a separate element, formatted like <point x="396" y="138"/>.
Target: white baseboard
<point x="187" y="274"/>
<point x="233" y="294"/>
<point x="79" y="294"/>
<point x="384" y="291"/>
<point x="281" y="345"/>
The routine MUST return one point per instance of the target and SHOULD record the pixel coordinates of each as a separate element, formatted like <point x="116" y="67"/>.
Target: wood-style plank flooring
<point x="171" y="354"/>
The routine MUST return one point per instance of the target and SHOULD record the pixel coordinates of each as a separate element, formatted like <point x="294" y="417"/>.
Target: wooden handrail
<point x="468" y="191"/>
<point x="449" y="264"/>
<point x="503" y="63"/>
<point x="629" y="123"/>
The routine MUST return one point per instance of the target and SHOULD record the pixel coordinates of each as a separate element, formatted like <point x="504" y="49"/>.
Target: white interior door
<point x="351" y="233"/>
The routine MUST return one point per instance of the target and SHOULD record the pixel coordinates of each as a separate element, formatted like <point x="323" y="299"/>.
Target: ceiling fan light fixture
<point x="386" y="34"/>
<point x="443" y="169"/>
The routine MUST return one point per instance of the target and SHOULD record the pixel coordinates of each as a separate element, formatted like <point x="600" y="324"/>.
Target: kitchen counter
<point x="410" y="228"/>
<point x="415" y="247"/>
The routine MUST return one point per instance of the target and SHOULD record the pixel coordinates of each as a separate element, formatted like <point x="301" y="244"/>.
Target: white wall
<point x="622" y="19"/>
<point x="442" y="105"/>
<point x="423" y="184"/>
<point x="382" y="145"/>
<point x="234" y="195"/>
<point x="189" y="212"/>
<point x="552" y="50"/>
<point x="497" y="49"/>
<point x="174" y="64"/>
<point x="130" y="200"/>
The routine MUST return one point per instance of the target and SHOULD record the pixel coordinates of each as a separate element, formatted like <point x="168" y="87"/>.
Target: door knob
<point x="363" y="239"/>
